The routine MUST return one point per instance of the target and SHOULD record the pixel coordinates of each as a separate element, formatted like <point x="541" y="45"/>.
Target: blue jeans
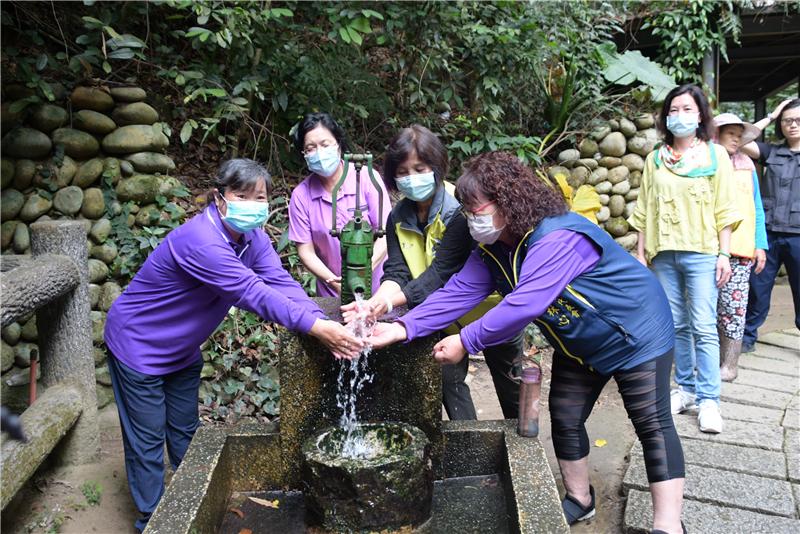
<point x="783" y="249"/>
<point x="689" y="281"/>
<point x="154" y="410"/>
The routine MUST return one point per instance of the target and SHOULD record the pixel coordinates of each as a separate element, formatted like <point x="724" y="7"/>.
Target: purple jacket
<point x="188" y="284"/>
<point x="555" y="260"/>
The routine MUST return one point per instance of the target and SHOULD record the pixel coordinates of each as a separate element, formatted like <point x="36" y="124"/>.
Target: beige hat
<point x="750" y="132"/>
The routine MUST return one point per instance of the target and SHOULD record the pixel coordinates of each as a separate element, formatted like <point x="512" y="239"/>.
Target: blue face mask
<point x="324" y="161"/>
<point x="417" y="187"/>
<point x="682" y="124"/>
<point x="245" y="215"/>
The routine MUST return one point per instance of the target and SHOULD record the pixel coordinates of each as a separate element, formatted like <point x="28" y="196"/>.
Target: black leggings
<point x="645" y="393"/>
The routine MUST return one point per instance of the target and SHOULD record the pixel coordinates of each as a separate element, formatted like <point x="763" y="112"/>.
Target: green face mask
<point x="245" y="215"/>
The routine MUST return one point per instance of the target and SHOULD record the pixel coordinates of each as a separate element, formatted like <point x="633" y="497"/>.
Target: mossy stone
<point x="94" y="295"/>
<point x="621" y="188"/>
<point x="110" y="291"/>
<point x="98" y="325"/>
<point x="93" y="122"/>
<point x="589" y="163"/>
<point x="25" y="352"/>
<point x="135" y="113"/>
<point x="626" y="127"/>
<point x="112" y="169"/>
<point x="68" y="200"/>
<point x="77" y="144"/>
<point x="7" y="360"/>
<point x="588" y="147"/>
<point x="617" y="226"/>
<point x="644" y="121"/>
<point x="613" y="145"/>
<point x="7" y="172"/>
<point x="128" y="94"/>
<point x="98" y="271"/>
<point x="634" y="162"/>
<point x="34" y="208"/>
<point x="598" y="175"/>
<point x="91" y="98"/>
<point x="126" y="167"/>
<point x="24" y="171"/>
<point x="7" y="233"/>
<point x="106" y="253"/>
<point x="603" y="188"/>
<point x="49" y="175"/>
<point x="48" y="117"/>
<point x="148" y="215"/>
<point x="609" y="162"/>
<point x="568" y="157"/>
<point x="22" y="239"/>
<point x="29" y="330"/>
<point x="12" y="333"/>
<point x="94" y="205"/>
<point x="618" y="174"/>
<point x="578" y="176"/>
<point x="26" y="143"/>
<point x="88" y="173"/>
<point x="144" y="188"/>
<point x="616" y="205"/>
<point x="11" y="202"/>
<point x="105" y="396"/>
<point x="100" y="231"/>
<point x="151" y="162"/>
<point x="135" y="138"/>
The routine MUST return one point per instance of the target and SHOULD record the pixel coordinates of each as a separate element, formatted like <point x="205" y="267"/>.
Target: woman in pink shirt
<point x="322" y="141"/>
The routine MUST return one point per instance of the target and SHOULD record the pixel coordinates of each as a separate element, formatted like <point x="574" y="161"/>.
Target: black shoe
<point x="575" y="511"/>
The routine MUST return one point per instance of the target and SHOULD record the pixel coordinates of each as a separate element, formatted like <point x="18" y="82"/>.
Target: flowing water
<point x="353" y="375"/>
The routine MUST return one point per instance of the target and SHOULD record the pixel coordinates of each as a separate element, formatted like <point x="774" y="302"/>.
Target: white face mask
<point x="482" y="230"/>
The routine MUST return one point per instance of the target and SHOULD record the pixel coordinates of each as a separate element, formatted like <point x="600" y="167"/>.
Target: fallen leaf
<point x="264" y="502"/>
<point x="245" y="531"/>
<point x="600" y="443"/>
<point x="237" y="512"/>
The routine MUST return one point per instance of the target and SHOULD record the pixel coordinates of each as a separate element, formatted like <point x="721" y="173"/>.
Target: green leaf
<point x="19" y="105"/>
<point x="370" y="13"/>
<point x="186" y="131"/>
<point x="41" y="62"/>
<point x="127" y="40"/>
<point x="121" y="53"/>
<point x="632" y="66"/>
<point x="361" y="24"/>
<point x="344" y="35"/>
<point x="106" y="67"/>
<point x="280" y="12"/>
<point x="195" y="31"/>
<point x="354" y="36"/>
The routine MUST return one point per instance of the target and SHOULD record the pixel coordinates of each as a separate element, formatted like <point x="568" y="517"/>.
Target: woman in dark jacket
<point x="428" y="241"/>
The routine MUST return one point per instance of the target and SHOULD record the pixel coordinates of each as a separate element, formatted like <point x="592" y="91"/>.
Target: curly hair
<point x="522" y="198"/>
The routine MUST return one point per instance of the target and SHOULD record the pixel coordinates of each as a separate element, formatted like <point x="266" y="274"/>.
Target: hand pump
<point x="357" y="236"/>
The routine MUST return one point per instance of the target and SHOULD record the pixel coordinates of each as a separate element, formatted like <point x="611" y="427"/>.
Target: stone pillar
<point x="65" y="335"/>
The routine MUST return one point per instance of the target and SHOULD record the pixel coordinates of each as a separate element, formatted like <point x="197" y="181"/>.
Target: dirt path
<point x="54" y="502"/>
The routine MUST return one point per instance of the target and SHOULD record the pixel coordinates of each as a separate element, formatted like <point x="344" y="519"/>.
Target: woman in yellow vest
<point x="428" y="241"/>
<point x="748" y="242"/>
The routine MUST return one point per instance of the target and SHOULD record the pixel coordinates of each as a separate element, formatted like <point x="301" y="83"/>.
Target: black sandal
<point x="658" y="531"/>
<point x="575" y="511"/>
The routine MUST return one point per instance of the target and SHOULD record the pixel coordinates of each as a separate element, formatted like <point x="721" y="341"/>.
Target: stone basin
<point x="386" y="482"/>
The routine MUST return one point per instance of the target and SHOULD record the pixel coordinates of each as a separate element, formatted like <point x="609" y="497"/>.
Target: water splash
<point x="353" y="376"/>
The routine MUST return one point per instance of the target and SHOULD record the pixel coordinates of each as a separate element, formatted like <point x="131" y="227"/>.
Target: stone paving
<point x="746" y="479"/>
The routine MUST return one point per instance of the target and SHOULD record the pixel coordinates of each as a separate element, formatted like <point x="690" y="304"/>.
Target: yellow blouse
<point x="685" y="213"/>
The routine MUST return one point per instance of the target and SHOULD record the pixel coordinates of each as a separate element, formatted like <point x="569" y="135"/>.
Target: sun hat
<point x="750" y="132"/>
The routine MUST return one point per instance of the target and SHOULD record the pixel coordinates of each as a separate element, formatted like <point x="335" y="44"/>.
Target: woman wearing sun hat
<point x="748" y="241"/>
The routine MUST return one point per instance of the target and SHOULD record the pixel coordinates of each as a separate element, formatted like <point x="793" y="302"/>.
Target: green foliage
<point x="244" y="379"/>
<point x="92" y="491"/>
<point x="632" y="67"/>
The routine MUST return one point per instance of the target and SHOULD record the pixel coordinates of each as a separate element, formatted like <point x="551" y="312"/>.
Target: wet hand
<point x="761" y="260"/>
<point x="337" y="338"/>
<point x="368" y="311"/>
<point x="449" y="350"/>
<point x="385" y="334"/>
<point x="723" y="270"/>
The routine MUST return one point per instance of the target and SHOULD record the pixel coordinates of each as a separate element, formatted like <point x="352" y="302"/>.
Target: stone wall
<point x="84" y="157"/>
<point x="611" y="159"/>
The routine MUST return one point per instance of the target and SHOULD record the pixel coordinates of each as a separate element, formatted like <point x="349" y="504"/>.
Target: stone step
<point x="796" y="491"/>
<point x="774" y="353"/>
<point x="794" y="404"/>
<point x="791" y="447"/>
<point x="741" y="433"/>
<point x="765" y="380"/>
<point x="783" y="339"/>
<point x="791" y="419"/>
<point x="755" y="396"/>
<point x="756" y="414"/>
<point x="749" y="361"/>
<point x="706" y="518"/>
<point x="724" y="488"/>
<point x="759" y="462"/>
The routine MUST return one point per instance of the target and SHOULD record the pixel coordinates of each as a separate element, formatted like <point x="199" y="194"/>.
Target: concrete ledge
<point x="742" y="433"/>
<point x="716" y="486"/>
<point x="791" y="447"/>
<point x="45" y="423"/>
<point x="774" y="353"/>
<point x="40" y="282"/>
<point x="706" y="518"/>
<point x="755" y="414"/>
<point x="754" y="396"/>
<point x="767" y="381"/>
<point x="786" y="339"/>
<point x="770" y="365"/>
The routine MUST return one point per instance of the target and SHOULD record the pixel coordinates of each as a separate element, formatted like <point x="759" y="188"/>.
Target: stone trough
<point x="486" y="478"/>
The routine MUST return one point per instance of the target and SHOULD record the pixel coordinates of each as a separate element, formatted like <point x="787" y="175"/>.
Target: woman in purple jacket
<point x="602" y="311"/>
<point x="218" y="259"/>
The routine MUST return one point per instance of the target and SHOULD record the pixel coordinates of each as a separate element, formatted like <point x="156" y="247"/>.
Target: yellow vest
<point x="743" y="239"/>
<point x="419" y="251"/>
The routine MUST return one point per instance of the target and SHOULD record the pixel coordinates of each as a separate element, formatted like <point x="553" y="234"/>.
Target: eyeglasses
<point x="310" y="149"/>
<point x="788" y="121"/>
<point x="471" y="214"/>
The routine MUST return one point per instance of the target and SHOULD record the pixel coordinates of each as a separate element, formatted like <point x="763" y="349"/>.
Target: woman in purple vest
<point x="602" y="311"/>
<point x="218" y="259"/>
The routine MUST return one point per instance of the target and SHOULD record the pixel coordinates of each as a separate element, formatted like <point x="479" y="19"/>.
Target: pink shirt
<point x="310" y="219"/>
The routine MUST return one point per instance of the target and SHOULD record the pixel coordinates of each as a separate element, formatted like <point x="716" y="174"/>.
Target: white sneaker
<point x="681" y="400"/>
<point x="709" y="418"/>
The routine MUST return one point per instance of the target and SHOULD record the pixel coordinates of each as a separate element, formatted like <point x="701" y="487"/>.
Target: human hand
<point x="779" y="108"/>
<point x="723" y="270"/>
<point x="385" y="334"/>
<point x="449" y="350"/>
<point x="761" y="260"/>
<point x="337" y="338"/>
<point x="368" y="311"/>
<point x="336" y="283"/>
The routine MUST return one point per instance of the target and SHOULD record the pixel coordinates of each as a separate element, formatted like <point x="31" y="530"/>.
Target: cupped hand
<point x="385" y="334"/>
<point x="368" y="311"/>
<point x="449" y="350"/>
<point x="337" y="338"/>
<point x="723" y="273"/>
<point x="761" y="260"/>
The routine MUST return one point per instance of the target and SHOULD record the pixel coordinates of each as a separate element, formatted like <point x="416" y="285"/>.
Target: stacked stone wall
<point x="84" y="157"/>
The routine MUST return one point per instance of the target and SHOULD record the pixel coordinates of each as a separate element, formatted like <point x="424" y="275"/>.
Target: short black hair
<point x="791" y="105"/>
<point x="415" y="138"/>
<point x="241" y="175"/>
<point x="705" y="130"/>
<point x="311" y="121"/>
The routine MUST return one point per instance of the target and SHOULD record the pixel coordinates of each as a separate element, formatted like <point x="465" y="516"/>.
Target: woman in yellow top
<point x="685" y="214"/>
